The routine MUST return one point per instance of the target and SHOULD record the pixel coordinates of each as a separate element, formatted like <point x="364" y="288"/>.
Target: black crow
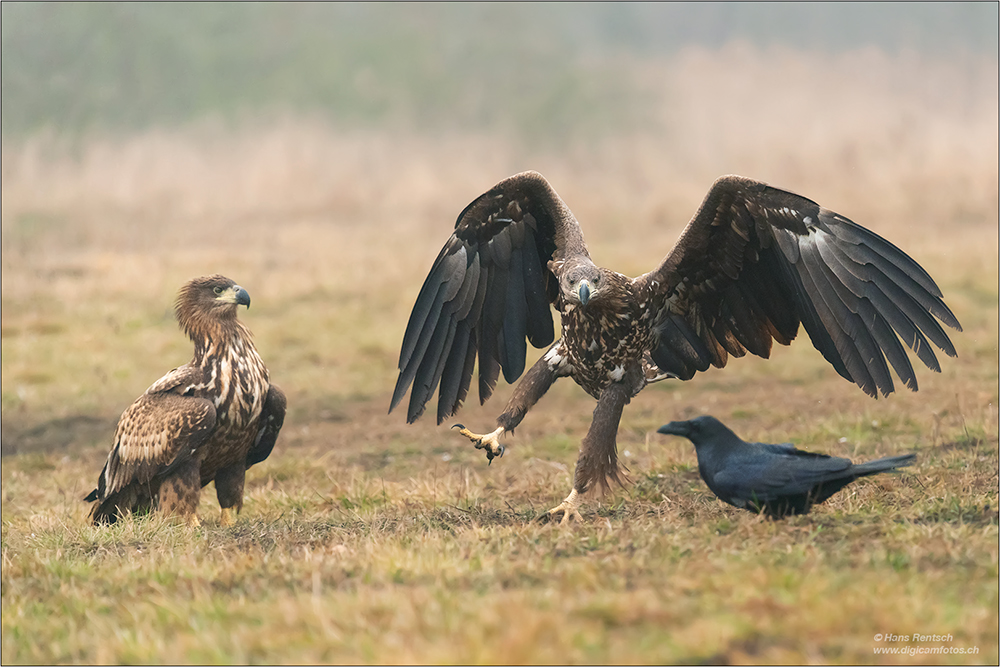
<point x="777" y="480"/>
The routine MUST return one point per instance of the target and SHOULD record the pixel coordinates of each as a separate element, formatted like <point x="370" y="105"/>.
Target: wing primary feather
<point x="866" y="283"/>
<point x="855" y="234"/>
<point x="877" y="283"/>
<point x="431" y="366"/>
<point x="514" y="320"/>
<point x="455" y="293"/>
<point x="779" y="303"/>
<point x="451" y="376"/>
<point x="449" y="261"/>
<point x="847" y="308"/>
<point x="904" y="283"/>
<point x="409" y="371"/>
<point x="889" y="343"/>
<point x="470" y="365"/>
<point x="491" y="349"/>
<point x="878" y="313"/>
<point x="540" y="328"/>
<point x="489" y="371"/>
<point x="466" y="297"/>
<point x="818" y="335"/>
<point x="825" y="305"/>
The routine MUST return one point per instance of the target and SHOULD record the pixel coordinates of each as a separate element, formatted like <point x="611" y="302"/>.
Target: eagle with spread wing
<point x="752" y="264"/>
<point x="210" y="419"/>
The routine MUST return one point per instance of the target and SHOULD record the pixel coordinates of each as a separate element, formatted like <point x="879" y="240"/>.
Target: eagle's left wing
<point x="755" y="261"/>
<point x="271" y="419"/>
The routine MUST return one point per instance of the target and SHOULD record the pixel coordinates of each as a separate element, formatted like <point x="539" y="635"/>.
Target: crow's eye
<point x="217" y="290"/>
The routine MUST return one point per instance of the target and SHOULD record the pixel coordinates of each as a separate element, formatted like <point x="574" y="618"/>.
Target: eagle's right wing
<point x="489" y="289"/>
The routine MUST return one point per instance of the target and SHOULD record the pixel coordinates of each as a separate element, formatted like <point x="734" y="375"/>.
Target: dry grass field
<point x="364" y="540"/>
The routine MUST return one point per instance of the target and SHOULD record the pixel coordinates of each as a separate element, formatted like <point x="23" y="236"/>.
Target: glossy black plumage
<point x="777" y="480"/>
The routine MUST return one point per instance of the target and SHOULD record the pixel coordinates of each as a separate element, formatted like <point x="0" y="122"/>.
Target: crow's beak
<point x="584" y="292"/>
<point x="674" y="428"/>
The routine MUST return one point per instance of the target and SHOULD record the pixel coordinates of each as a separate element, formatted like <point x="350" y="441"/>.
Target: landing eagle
<point x="209" y="420"/>
<point x="752" y="264"/>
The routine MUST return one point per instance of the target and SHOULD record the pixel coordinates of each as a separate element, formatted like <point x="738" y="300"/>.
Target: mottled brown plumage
<point x="753" y="263"/>
<point x="209" y="420"/>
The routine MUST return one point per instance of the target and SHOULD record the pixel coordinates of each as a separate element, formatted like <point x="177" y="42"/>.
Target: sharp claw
<point x="487" y="442"/>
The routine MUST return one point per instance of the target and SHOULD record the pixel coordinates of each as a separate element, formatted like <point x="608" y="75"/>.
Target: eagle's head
<point x="207" y="300"/>
<point x="581" y="282"/>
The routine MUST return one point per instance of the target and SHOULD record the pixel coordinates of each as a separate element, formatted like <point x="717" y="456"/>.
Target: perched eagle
<point x="753" y="263"/>
<point x="210" y="419"/>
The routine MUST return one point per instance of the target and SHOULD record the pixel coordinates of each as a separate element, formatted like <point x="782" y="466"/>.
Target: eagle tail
<point x="116" y="505"/>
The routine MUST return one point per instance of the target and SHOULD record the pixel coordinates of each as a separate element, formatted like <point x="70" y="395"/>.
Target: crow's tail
<point x="883" y="465"/>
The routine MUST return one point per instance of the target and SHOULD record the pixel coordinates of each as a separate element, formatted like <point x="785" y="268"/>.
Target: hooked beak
<point x="584" y="291"/>
<point x="242" y="297"/>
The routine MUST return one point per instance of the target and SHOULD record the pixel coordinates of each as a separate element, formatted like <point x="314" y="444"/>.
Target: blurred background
<point x="319" y="154"/>
<point x="541" y="72"/>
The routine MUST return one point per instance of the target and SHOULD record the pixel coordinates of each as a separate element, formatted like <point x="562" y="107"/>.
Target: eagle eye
<point x="217" y="289"/>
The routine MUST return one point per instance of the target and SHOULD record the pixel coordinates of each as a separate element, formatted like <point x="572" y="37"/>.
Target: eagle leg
<point x="490" y="442"/>
<point x="532" y="387"/>
<point x="181" y="490"/>
<point x="598" y="460"/>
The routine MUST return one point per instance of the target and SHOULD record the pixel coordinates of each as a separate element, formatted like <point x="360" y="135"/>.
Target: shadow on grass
<point x="64" y="433"/>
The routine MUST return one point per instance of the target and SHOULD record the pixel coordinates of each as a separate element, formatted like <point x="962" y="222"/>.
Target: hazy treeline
<point x="539" y="70"/>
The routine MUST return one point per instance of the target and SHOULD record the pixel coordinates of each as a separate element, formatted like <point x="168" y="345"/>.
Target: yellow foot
<point x="490" y="442"/>
<point x="569" y="508"/>
<point x="228" y="518"/>
<point x="193" y="520"/>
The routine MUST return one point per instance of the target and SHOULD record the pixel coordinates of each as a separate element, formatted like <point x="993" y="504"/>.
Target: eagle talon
<point x="489" y="453"/>
<point x="489" y="442"/>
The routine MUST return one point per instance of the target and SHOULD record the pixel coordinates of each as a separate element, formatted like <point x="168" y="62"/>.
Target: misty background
<point x="320" y="153"/>
<point x="553" y="71"/>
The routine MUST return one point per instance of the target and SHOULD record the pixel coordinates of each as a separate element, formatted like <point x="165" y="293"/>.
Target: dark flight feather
<point x="753" y="265"/>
